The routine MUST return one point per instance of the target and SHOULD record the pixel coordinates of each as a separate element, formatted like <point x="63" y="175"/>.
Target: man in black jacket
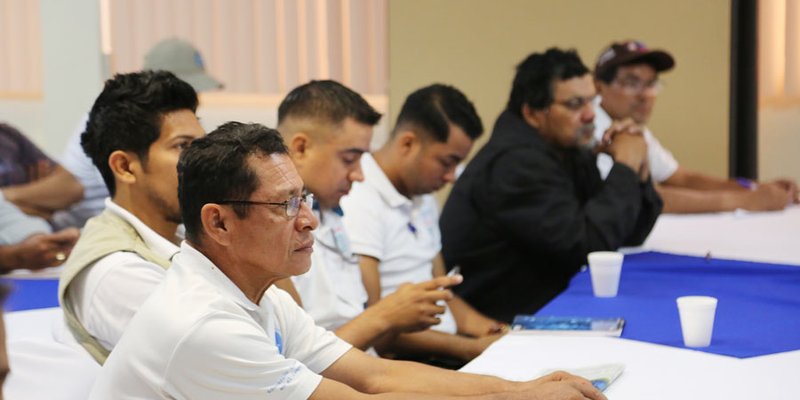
<point x="531" y="205"/>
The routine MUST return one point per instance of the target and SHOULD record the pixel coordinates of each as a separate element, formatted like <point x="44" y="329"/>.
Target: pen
<point x="412" y="228"/>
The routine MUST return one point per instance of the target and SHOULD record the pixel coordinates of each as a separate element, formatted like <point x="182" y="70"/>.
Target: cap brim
<point x="201" y="81"/>
<point x="660" y="61"/>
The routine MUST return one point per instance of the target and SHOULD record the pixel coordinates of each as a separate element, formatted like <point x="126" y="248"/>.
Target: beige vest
<point x="104" y="234"/>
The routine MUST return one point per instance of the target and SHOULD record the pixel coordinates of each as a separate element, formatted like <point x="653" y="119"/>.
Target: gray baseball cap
<point x="183" y="60"/>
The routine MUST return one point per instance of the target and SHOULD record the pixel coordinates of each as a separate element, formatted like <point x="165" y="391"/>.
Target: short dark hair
<point x="533" y="83"/>
<point x="327" y="101"/>
<point x="214" y="168"/>
<point x="128" y="115"/>
<point x="433" y="108"/>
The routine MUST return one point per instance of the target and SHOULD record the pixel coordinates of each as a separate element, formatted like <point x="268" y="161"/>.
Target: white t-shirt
<point x="199" y="337"/>
<point x="402" y="233"/>
<point x="107" y="294"/>
<point x="332" y="290"/>
<point x="662" y="163"/>
<point x="95" y="192"/>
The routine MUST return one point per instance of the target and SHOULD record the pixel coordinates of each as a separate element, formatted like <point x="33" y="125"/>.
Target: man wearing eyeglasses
<point x="531" y="205"/>
<point x="137" y="128"/>
<point x="627" y="80"/>
<point x="217" y="328"/>
<point x="327" y="127"/>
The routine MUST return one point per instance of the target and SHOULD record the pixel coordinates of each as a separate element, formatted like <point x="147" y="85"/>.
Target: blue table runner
<point x="758" y="311"/>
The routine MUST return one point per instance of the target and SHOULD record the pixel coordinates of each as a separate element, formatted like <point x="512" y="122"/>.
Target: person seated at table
<point x="136" y="131"/>
<point x="172" y="54"/>
<point x="30" y="179"/>
<point x="392" y="217"/>
<point x="531" y="205"/>
<point x="327" y="128"/>
<point x="217" y="328"/>
<point x="27" y="242"/>
<point x="627" y="79"/>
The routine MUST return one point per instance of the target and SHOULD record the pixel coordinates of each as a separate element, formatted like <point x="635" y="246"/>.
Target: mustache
<point x="587" y="130"/>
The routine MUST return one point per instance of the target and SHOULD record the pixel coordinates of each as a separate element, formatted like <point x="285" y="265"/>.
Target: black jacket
<point x="524" y="214"/>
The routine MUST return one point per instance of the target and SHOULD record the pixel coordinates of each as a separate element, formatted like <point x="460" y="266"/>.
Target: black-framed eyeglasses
<point x="576" y="103"/>
<point x="291" y="206"/>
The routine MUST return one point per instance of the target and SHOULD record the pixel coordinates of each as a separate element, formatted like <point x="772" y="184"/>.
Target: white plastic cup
<point x="697" y="319"/>
<point x="605" y="268"/>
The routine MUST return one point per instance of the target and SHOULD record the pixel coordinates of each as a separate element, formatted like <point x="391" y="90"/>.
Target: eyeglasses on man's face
<point x="291" y="206"/>
<point x="636" y="86"/>
<point x="576" y="103"/>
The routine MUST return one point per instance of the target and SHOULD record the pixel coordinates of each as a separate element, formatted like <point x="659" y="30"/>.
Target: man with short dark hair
<point x="136" y="131"/>
<point x="217" y="328"/>
<point x="327" y="127"/>
<point x="393" y="218"/>
<point x="531" y="205"/>
<point x="627" y="80"/>
<point x="172" y="54"/>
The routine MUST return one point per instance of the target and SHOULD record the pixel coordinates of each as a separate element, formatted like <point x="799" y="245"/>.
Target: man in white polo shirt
<point x="626" y="78"/>
<point x="137" y="129"/>
<point x="216" y="328"/>
<point x="327" y="128"/>
<point x="393" y="219"/>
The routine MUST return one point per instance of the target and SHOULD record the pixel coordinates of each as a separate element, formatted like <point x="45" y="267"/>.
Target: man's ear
<point x="533" y="117"/>
<point x="124" y="165"/>
<point x="299" y="144"/>
<point x="216" y="223"/>
<point x="407" y="141"/>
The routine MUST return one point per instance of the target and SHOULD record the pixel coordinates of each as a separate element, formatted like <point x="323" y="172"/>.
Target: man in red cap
<point x="626" y="78"/>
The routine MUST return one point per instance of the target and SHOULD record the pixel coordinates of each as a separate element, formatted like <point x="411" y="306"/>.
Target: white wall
<point x="72" y="68"/>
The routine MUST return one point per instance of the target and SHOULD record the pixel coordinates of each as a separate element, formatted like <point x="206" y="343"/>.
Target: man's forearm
<point x="431" y="342"/>
<point x="415" y="377"/>
<point x="8" y="258"/>
<point x="364" y="330"/>
<point x="54" y="192"/>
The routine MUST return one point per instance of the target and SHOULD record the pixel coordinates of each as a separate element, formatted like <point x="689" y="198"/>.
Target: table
<point x="770" y="237"/>
<point x="663" y="368"/>
<point x="756" y="300"/>
<point x="31" y="294"/>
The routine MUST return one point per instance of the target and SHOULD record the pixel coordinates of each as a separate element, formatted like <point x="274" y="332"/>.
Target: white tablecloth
<point x="46" y="363"/>
<point x="651" y="371"/>
<point x="772" y="237"/>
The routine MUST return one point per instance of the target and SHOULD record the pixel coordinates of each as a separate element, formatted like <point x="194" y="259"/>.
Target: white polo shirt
<point x="662" y="163"/>
<point x="402" y="233"/>
<point x="106" y="294"/>
<point x="332" y="290"/>
<point x="95" y="192"/>
<point x="199" y="337"/>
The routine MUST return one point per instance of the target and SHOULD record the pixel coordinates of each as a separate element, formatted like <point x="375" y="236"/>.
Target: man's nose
<point x="356" y="175"/>
<point x="306" y="220"/>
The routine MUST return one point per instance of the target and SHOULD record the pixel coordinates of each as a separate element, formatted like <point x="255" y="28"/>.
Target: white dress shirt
<point x="332" y="290"/>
